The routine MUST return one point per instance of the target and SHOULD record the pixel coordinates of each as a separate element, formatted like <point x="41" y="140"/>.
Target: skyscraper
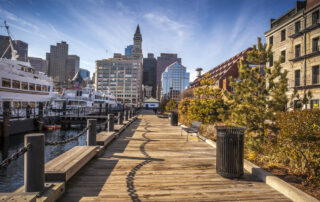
<point x="174" y="80"/>
<point x="20" y="46"/>
<point x="163" y="62"/>
<point x="128" y="50"/>
<point x="73" y="63"/>
<point x="57" y="60"/>
<point x="149" y="75"/>
<point x="39" y="64"/>
<point x="122" y="74"/>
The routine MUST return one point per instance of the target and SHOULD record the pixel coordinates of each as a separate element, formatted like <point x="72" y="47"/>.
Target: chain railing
<point x="68" y="140"/>
<point x="15" y="156"/>
<point x="35" y="148"/>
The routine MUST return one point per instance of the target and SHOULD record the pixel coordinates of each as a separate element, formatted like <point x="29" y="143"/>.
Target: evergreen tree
<point x="259" y="92"/>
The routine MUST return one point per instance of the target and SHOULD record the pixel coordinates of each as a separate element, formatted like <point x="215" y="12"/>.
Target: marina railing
<point x="34" y="148"/>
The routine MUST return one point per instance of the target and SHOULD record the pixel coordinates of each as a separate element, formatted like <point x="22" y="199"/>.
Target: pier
<point x="148" y="161"/>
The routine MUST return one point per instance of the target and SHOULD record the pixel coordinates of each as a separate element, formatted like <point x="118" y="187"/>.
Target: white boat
<point x="82" y="97"/>
<point x="20" y="84"/>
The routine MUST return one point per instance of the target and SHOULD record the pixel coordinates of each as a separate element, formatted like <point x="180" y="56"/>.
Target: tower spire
<point x="137" y="30"/>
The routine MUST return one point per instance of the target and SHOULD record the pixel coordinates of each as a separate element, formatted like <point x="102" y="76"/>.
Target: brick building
<point x="222" y="72"/>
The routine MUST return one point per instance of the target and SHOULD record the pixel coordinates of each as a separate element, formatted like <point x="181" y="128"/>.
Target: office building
<point x="149" y="76"/>
<point x="122" y="74"/>
<point x="20" y="46"/>
<point x="163" y="61"/>
<point x="295" y="36"/>
<point x="39" y="64"/>
<point x="174" y="80"/>
<point x="128" y="50"/>
<point x="57" y="61"/>
<point x="84" y="73"/>
<point x="73" y="63"/>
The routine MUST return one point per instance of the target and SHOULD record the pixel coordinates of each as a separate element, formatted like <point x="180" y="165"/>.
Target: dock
<point x="151" y="161"/>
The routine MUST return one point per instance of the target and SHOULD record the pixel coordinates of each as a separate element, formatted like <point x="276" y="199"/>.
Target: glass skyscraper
<point x="128" y="50"/>
<point x="174" y="80"/>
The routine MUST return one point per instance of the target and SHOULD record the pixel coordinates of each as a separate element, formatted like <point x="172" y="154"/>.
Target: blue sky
<point x="204" y="33"/>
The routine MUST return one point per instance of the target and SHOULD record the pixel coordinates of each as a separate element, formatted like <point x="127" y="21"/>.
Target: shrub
<point x="171" y="105"/>
<point x="298" y="142"/>
<point x="183" y="109"/>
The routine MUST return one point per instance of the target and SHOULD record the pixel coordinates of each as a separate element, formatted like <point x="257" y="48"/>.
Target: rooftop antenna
<point x="14" y="55"/>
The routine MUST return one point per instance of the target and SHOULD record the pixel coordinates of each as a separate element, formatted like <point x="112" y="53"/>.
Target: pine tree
<point x="259" y="91"/>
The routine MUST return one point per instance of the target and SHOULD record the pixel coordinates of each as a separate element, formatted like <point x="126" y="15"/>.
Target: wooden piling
<point x="92" y="132"/>
<point x="34" y="163"/>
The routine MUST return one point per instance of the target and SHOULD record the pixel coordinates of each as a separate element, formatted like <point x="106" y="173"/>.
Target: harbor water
<point x="11" y="178"/>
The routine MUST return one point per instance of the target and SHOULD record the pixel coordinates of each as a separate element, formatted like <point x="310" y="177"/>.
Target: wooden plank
<point x="67" y="164"/>
<point x="150" y="161"/>
<point x="104" y="138"/>
<point x="17" y="197"/>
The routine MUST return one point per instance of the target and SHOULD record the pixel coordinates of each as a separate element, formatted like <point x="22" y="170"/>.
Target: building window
<point x="315" y="74"/>
<point x="283" y="35"/>
<point x="297" y="78"/>
<point x="271" y="40"/>
<point x="315" y="17"/>
<point x="271" y="61"/>
<point x="24" y="85"/>
<point x="6" y="83"/>
<point x="315" y="44"/>
<point x="38" y="87"/>
<point x="44" y="88"/>
<point x="283" y="56"/>
<point x="15" y="84"/>
<point x="297" y="27"/>
<point x="297" y="51"/>
<point x="32" y="86"/>
<point x="314" y="104"/>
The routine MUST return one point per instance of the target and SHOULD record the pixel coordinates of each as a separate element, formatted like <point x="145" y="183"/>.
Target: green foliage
<point x="259" y="91"/>
<point x="298" y="142"/>
<point x="207" y="105"/>
<point x="171" y="105"/>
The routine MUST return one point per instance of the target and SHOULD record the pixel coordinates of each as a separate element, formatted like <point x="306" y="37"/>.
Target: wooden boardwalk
<point x="150" y="161"/>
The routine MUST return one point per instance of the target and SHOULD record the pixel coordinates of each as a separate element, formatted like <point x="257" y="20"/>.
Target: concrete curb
<point x="281" y="186"/>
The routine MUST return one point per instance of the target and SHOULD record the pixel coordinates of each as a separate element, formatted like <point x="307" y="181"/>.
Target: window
<point x="283" y="56"/>
<point x="38" y="87"/>
<point x="24" y="85"/>
<point x="314" y="104"/>
<point x="271" y="61"/>
<point x="15" y="84"/>
<point x="44" y="88"/>
<point x="271" y="40"/>
<point x="6" y="83"/>
<point x="297" y="51"/>
<point x="315" y="17"/>
<point x="315" y="74"/>
<point x="283" y="35"/>
<point x="297" y="78"/>
<point x="315" y="44"/>
<point x="297" y="27"/>
<point x="32" y="86"/>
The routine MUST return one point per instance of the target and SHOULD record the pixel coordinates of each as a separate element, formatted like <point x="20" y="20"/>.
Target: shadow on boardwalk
<point x="98" y="170"/>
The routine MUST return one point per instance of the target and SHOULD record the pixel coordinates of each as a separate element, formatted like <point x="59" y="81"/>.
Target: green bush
<point x="172" y="105"/>
<point x="183" y="109"/>
<point x="298" y="142"/>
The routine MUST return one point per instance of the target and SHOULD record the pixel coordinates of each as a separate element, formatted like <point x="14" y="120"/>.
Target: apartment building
<point x="295" y="36"/>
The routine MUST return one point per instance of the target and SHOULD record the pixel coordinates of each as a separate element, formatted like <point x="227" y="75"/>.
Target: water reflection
<point x="11" y="178"/>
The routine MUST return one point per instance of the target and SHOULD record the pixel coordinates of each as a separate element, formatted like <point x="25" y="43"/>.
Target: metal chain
<point x="15" y="156"/>
<point x="102" y="124"/>
<point x="68" y="140"/>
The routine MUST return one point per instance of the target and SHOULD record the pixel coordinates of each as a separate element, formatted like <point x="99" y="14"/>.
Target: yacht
<point x="20" y="84"/>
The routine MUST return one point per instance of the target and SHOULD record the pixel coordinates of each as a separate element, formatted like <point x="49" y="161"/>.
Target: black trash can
<point x="174" y="118"/>
<point x="229" y="151"/>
